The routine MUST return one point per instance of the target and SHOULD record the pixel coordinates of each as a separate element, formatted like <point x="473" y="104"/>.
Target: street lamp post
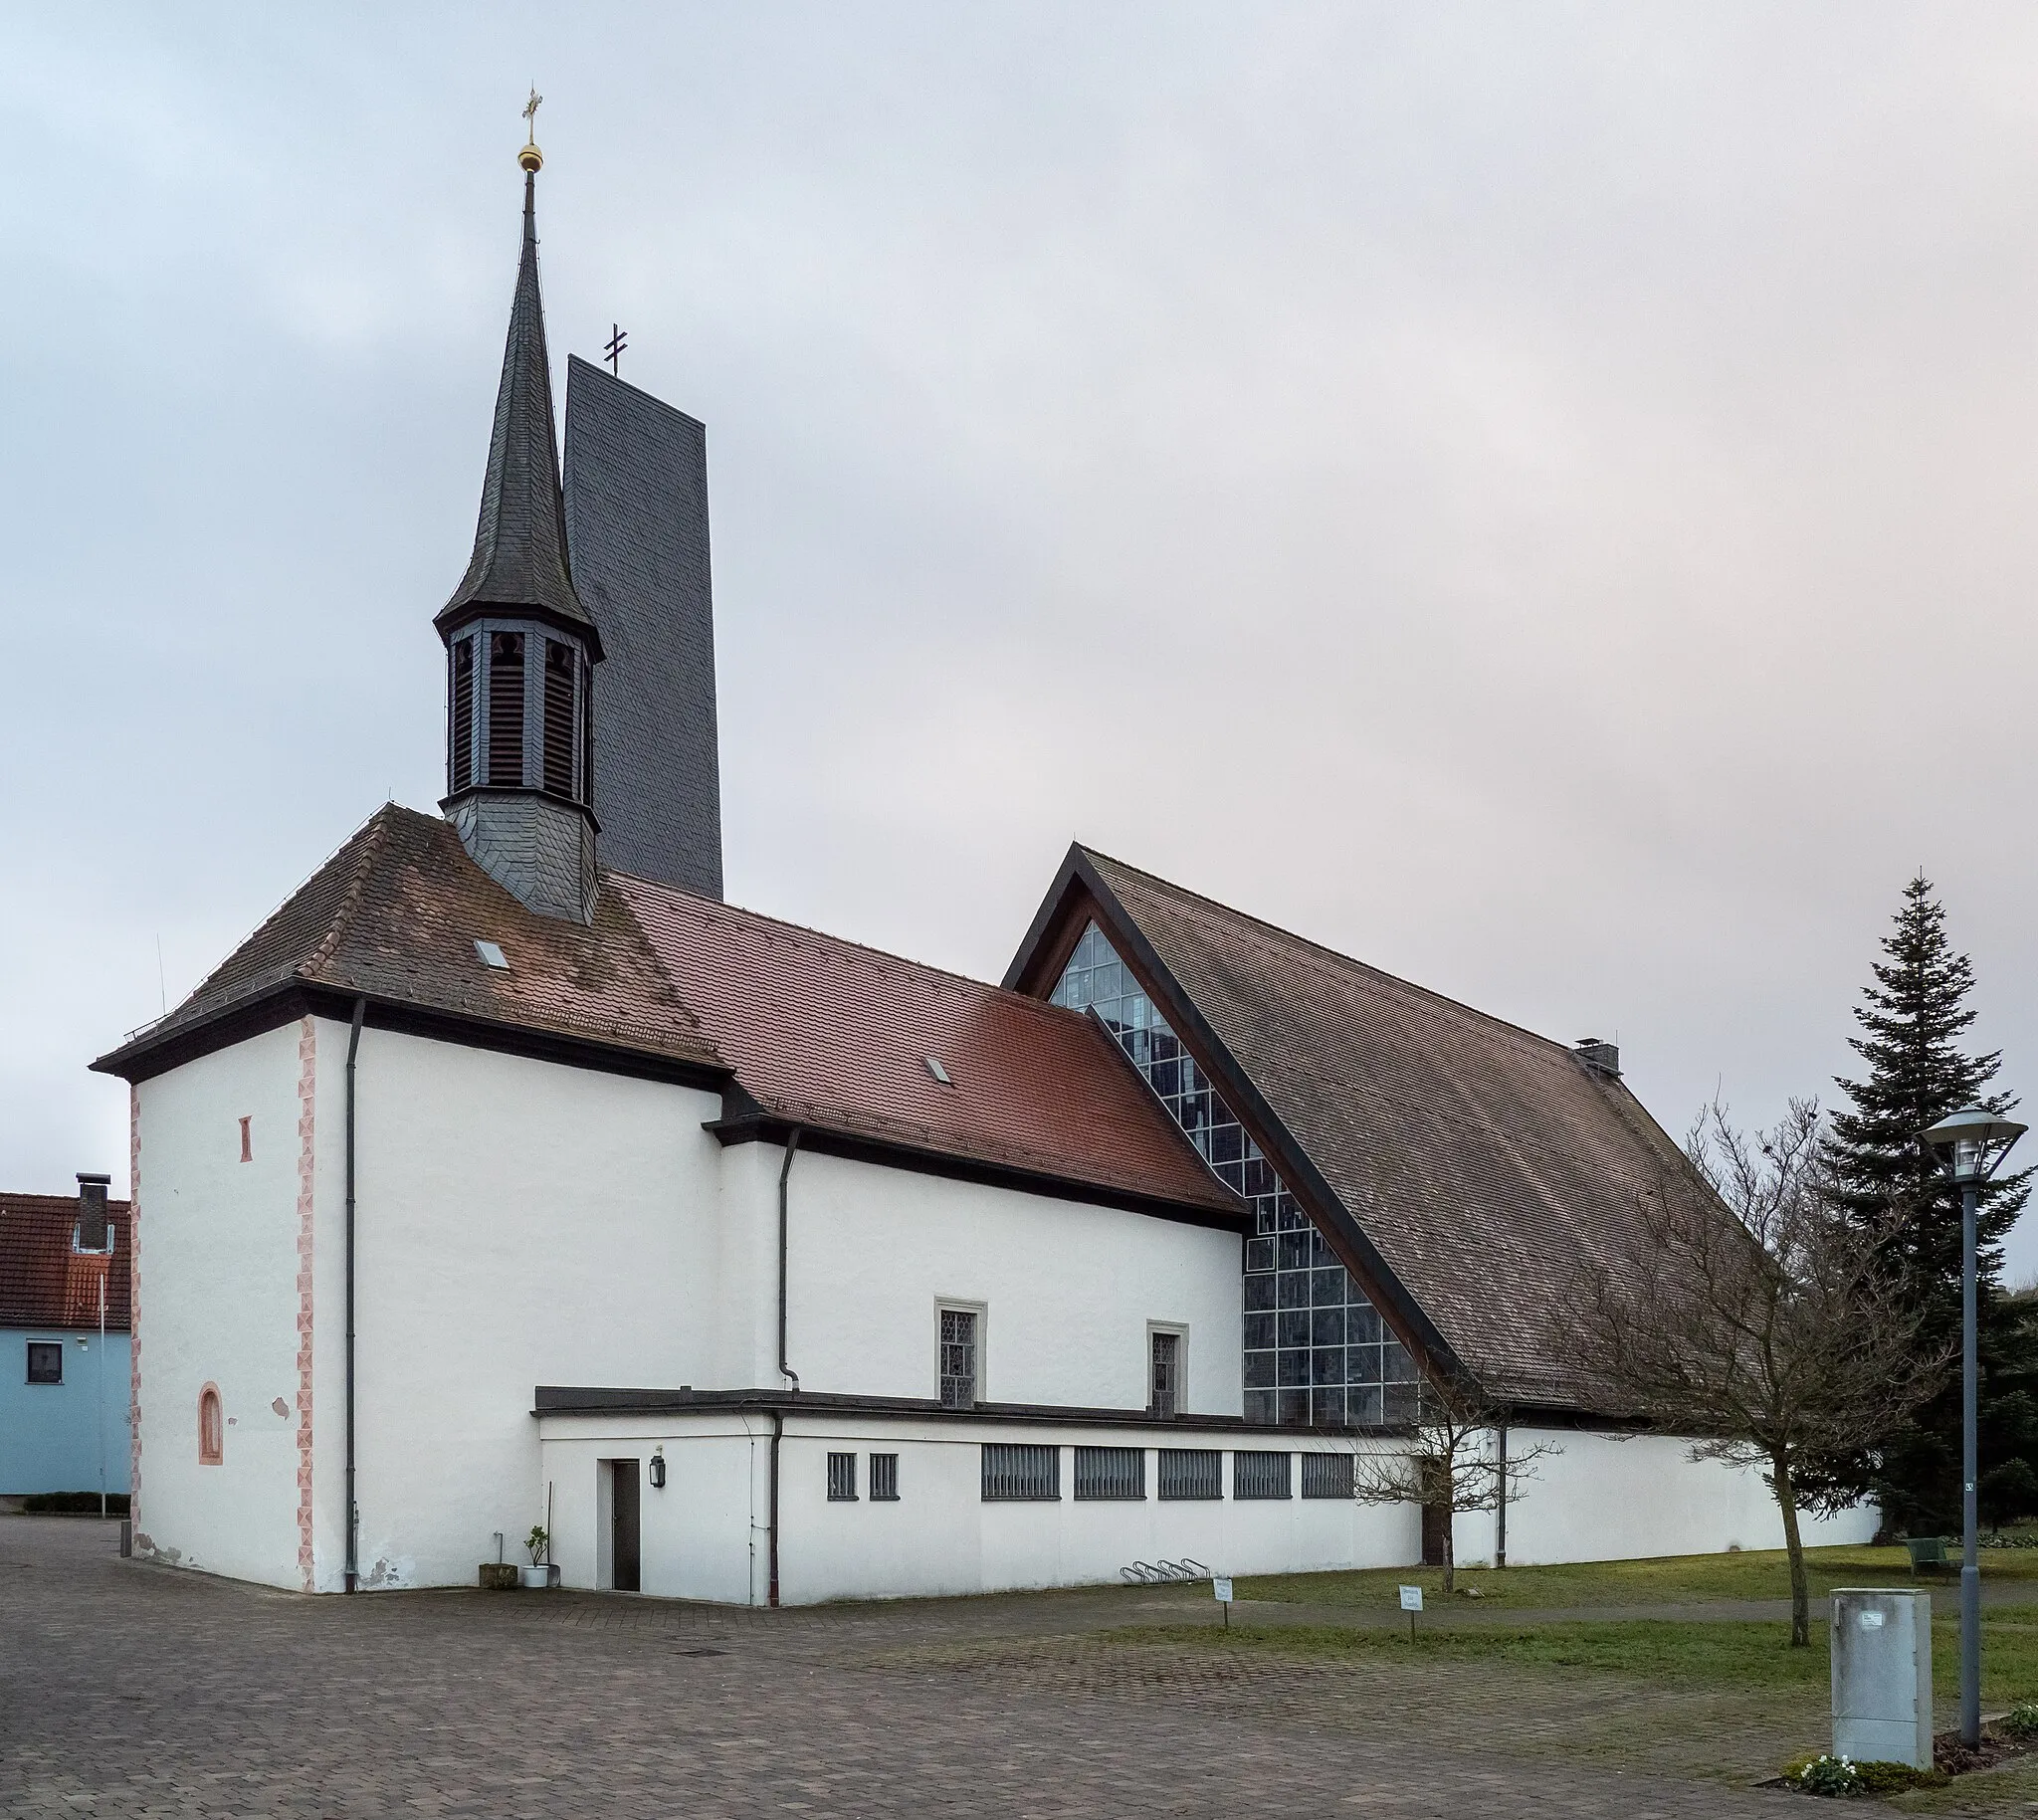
<point x="1971" y="1143"/>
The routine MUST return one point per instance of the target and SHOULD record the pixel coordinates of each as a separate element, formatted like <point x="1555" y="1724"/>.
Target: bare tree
<point x="1754" y="1316"/>
<point x="1453" y="1465"/>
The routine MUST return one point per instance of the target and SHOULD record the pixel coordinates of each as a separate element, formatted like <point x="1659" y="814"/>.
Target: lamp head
<point x="1973" y="1142"/>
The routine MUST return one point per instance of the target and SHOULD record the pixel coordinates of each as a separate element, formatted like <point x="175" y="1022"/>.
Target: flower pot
<point x="535" y="1580"/>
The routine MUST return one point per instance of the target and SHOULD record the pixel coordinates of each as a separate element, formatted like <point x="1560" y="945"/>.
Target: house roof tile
<point x="44" y="1283"/>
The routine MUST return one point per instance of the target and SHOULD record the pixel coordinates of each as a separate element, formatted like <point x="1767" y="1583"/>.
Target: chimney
<point x="93" y="1231"/>
<point x="1600" y="1058"/>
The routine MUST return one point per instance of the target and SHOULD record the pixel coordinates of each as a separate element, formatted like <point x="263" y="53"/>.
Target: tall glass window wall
<point x="1316" y="1350"/>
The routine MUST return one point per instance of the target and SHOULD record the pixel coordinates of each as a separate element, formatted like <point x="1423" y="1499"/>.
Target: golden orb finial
<point x="530" y="158"/>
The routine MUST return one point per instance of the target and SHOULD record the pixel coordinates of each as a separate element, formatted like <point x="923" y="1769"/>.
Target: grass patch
<point x="1687" y="1579"/>
<point x="1746" y="1655"/>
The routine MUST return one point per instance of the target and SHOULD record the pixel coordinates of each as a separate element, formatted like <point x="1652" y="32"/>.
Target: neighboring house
<point x="507" y="1175"/>
<point x="65" y="1393"/>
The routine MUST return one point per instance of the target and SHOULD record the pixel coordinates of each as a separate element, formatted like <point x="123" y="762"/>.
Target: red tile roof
<point x="827" y="1033"/>
<point x="816" y="1030"/>
<point x="43" y="1282"/>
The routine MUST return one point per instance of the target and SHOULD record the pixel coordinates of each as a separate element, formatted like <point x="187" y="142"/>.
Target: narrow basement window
<point x="842" y="1479"/>
<point x="884" y="1477"/>
<point x="492" y="955"/>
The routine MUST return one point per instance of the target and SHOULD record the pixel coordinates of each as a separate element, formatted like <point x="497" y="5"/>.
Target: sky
<point x="1536" y="496"/>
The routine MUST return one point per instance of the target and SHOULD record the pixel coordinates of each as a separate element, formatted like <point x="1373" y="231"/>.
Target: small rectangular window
<point x="842" y="1479"/>
<point x="1327" y="1475"/>
<point x="958" y="1359"/>
<point x="1111" y="1472"/>
<point x="1258" y="1475"/>
<point x="1013" y="1474"/>
<point x="45" y="1361"/>
<point x="1190" y="1471"/>
<point x="884" y="1477"/>
<point x="1164" y="1375"/>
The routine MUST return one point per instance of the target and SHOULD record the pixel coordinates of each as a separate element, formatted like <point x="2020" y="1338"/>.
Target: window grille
<point x="461" y="767"/>
<point x="1014" y="1474"/>
<point x="842" y="1479"/>
<point x="1327" y="1475"/>
<point x="1111" y="1472"/>
<point x="559" y="718"/>
<point x="1258" y="1475"/>
<point x="958" y="1359"/>
<point x="884" y="1477"/>
<point x="505" y="708"/>
<point x="1191" y="1472"/>
<point x="1165" y="1377"/>
<point x="45" y="1361"/>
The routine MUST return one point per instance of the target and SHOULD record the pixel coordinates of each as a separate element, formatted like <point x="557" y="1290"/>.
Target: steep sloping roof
<point x="828" y="1033"/>
<point x="1484" y="1163"/>
<point x="519" y="544"/>
<point x="815" y="1031"/>
<point x="43" y="1282"/>
<point x="394" y="916"/>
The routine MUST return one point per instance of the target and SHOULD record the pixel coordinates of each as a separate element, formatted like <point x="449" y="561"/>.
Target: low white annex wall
<point x="1613" y="1498"/>
<point x="706" y="1536"/>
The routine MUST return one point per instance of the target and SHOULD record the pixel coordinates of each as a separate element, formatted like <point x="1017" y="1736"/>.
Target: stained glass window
<point x="1316" y="1350"/>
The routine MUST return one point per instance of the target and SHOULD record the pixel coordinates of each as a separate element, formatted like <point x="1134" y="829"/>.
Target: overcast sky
<point x="1538" y="498"/>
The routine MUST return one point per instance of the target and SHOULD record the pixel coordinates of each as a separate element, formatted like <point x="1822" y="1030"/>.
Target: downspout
<point x="354" y="1516"/>
<point x="1499" y="1548"/>
<point x="792" y="1145"/>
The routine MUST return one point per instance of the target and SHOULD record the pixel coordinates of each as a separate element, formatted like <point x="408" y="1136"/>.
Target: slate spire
<point x="519" y="547"/>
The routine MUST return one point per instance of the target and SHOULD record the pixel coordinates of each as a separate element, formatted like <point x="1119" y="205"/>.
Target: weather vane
<point x="613" y="353"/>
<point x="531" y="157"/>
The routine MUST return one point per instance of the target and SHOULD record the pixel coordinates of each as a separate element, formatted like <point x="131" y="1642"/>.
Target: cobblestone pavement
<point x="128" y="1691"/>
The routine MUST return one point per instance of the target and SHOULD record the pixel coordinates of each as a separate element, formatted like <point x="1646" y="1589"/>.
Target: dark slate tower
<point x="520" y="646"/>
<point x="637" y="531"/>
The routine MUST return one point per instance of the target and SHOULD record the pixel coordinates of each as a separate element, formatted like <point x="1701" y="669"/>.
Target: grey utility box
<point x="1882" y="1675"/>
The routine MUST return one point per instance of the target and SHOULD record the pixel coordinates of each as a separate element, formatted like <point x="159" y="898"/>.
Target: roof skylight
<point x="490" y="954"/>
<point x="939" y="1072"/>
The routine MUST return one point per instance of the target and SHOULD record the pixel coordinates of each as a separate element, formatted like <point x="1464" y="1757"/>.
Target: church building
<point x="509" y="1177"/>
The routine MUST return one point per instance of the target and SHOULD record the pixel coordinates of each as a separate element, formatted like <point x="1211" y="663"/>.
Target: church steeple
<point x="521" y="647"/>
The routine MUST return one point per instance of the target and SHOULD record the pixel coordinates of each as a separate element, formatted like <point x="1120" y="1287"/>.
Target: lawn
<point x="1685" y="1580"/>
<point x="1742" y="1657"/>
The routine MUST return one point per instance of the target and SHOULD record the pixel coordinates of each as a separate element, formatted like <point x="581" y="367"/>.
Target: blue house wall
<point x="52" y="1435"/>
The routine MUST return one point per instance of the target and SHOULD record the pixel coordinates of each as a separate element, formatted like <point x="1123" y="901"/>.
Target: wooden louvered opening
<point x="559" y="667"/>
<point x="460" y="730"/>
<point x="506" y="707"/>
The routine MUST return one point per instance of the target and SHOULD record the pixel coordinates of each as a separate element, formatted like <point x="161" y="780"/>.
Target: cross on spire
<point x="613" y="352"/>
<point x="531" y="108"/>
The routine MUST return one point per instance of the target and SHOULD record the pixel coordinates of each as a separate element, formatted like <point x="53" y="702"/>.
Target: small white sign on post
<point x="1220" y="1584"/>
<point x="1411" y="1603"/>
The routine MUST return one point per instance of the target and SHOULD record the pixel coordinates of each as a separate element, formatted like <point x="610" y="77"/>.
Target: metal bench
<point x="1928" y="1551"/>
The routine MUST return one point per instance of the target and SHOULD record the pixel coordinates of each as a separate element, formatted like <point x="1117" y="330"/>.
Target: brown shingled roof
<point x="394" y="916"/>
<point x="816" y="1030"/>
<point x="1483" y="1162"/>
<point x="46" y="1283"/>
<point x="828" y="1033"/>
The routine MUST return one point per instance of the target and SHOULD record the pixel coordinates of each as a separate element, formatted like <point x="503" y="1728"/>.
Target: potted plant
<point x="540" y="1573"/>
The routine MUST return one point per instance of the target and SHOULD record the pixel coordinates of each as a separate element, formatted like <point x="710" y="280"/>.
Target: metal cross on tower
<point x="531" y="108"/>
<point x="613" y="352"/>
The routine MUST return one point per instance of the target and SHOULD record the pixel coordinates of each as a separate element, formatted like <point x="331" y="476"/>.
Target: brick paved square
<point x="132" y="1689"/>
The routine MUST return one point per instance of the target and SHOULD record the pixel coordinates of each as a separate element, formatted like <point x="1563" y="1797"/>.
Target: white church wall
<point x="520" y="1222"/>
<point x="705" y="1534"/>
<point x="1068" y="1289"/>
<point x="1612" y="1497"/>
<point x="218" y="1267"/>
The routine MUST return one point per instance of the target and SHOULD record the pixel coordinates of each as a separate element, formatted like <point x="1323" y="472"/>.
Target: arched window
<point x="211" y="1430"/>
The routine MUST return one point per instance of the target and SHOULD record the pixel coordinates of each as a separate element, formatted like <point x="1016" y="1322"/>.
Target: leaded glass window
<point x="1315" y="1351"/>
<point x="958" y="1359"/>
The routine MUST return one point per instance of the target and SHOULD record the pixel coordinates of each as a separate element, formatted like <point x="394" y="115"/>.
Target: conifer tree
<point x="1912" y="1020"/>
